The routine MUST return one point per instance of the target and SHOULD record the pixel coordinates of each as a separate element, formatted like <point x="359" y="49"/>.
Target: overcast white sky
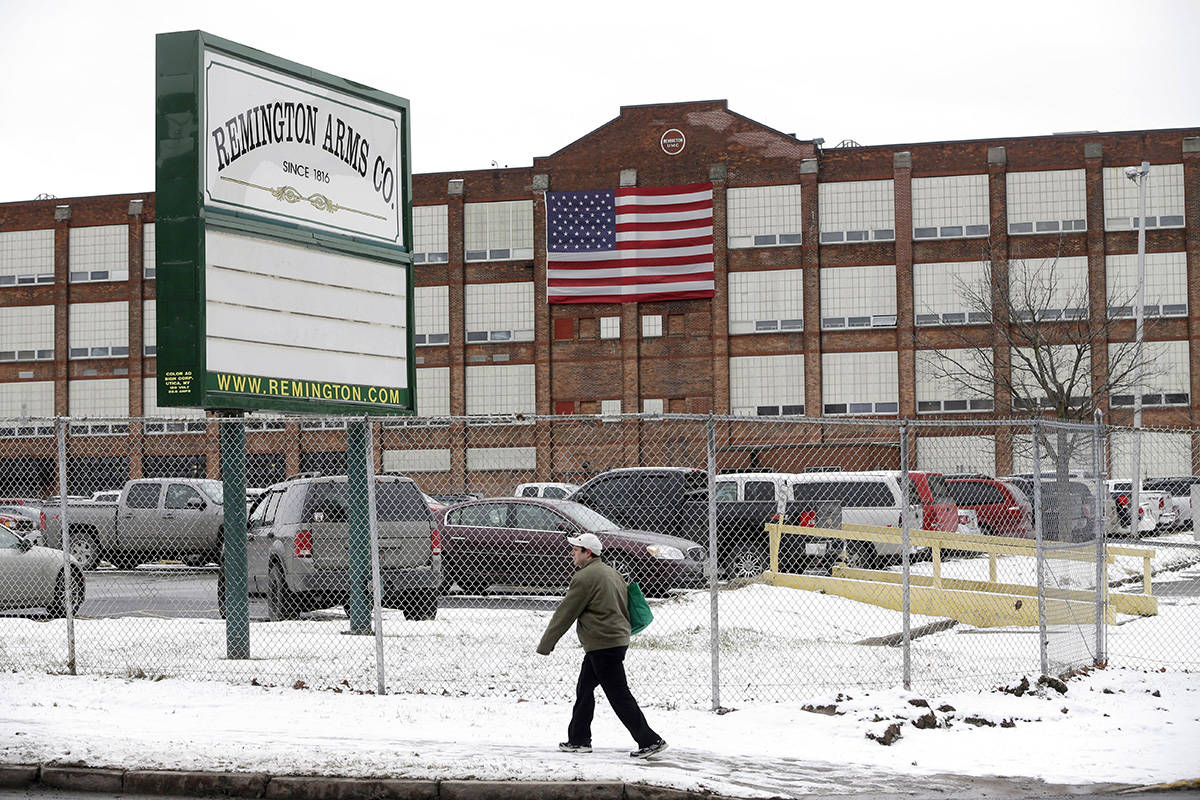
<point x="505" y="82"/>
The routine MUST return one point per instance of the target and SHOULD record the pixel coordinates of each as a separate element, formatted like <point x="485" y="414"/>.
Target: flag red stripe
<point x="664" y="261"/>
<point x="651" y="244"/>
<point x="691" y="294"/>
<point x="631" y="280"/>
<point x="672" y="225"/>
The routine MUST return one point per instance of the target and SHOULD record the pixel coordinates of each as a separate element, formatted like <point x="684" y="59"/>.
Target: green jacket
<point x="598" y="598"/>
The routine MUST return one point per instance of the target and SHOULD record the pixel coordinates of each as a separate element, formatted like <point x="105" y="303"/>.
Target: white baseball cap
<point x="588" y="541"/>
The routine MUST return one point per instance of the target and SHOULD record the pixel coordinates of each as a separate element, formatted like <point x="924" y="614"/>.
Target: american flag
<point x="630" y="244"/>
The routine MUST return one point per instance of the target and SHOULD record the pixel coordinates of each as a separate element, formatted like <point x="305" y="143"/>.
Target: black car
<point x="521" y="542"/>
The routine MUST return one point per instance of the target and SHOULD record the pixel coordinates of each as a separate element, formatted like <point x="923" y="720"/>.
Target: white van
<point x="867" y="498"/>
<point x="754" y="486"/>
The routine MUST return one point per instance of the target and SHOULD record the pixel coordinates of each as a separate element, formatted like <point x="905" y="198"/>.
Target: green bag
<point x="639" y="610"/>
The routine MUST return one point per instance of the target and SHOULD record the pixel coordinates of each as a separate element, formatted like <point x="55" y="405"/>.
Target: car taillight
<point x="42" y="521"/>
<point x="302" y="544"/>
<point x="1161" y="503"/>
<point x="1123" y="500"/>
<point x="808" y="519"/>
<point x="435" y="542"/>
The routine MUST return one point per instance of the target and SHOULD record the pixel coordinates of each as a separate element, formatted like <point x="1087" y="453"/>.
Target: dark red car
<point x="1002" y="512"/>
<point x="520" y="543"/>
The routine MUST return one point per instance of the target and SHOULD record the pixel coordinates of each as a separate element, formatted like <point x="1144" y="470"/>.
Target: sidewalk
<point x="1112" y="728"/>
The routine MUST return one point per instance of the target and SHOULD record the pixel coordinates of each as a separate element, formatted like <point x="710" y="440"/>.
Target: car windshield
<point x="214" y="489"/>
<point x="8" y="539"/>
<point x="941" y="493"/>
<point x="586" y="518"/>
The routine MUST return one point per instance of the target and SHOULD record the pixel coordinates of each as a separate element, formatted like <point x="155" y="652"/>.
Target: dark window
<point x="143" y="495"/>
<point x="759" y="490"/>
<point x="534" y="518"/>
<point x="529" y="491"/>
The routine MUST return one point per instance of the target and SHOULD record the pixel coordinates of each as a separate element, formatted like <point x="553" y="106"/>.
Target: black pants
<point x="606" y="668"/>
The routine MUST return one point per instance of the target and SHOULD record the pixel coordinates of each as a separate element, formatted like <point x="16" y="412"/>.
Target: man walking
<point x="598" y="602"/>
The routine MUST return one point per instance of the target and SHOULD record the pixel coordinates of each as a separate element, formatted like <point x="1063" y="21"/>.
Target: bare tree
<point x="1045" y="335"/>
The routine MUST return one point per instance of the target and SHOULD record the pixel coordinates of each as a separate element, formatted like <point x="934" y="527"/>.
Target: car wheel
<point x="421" y="606"/>
<point x="57" y="607"/>
<point x="123" y="560"/>
<point x="469" y="584"/>
<point x="85" y="549"/>
<point x="623" y="568"/>
<point x="282" y="602"/>
<point x="746" y="561"/>
<point x="860" y="555"/>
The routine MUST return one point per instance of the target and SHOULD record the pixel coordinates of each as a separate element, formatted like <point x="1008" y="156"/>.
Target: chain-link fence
<point x="782" y="556"/>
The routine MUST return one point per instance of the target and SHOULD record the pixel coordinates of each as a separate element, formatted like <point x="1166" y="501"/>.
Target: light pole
<point x="1139" y="176"/>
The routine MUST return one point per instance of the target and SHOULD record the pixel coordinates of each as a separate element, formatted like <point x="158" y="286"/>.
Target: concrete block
<point x="1191" y="144"/>
<point x="17" y="776"/>
<point x="808" y="166"/>
<point x="83" y="779"/>
<point x="902" y="160"/>
<point x="628" y="177"/>
<point x="997" y="155"/>
<point x="718" y="172"/>
<point x="531" y="790"/>
<point x="297" y="787"/>
<point x="1093" y="149"/>
<point x="196" y="784"/>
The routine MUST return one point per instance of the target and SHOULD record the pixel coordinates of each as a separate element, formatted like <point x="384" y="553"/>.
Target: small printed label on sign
<point x="672" y="142"/>
<point x="178" y="382"/>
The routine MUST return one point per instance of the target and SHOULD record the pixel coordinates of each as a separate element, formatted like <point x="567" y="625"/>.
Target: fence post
<point x="710" y="446"/>
<point x="905" y="560"/>
<point x="376" y="578"/>
<point x="60" y="425"/>
<point x="232" y="433"/>
<point x="359" y="560"/>
<point x="1101" y="547"/>
<point x="1038" y="518"/>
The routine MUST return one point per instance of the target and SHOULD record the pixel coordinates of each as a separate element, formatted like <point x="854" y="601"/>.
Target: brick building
<point x="837" y="270"/>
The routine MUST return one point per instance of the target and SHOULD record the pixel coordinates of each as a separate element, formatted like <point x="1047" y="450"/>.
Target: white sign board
<point x="300" y="153"/>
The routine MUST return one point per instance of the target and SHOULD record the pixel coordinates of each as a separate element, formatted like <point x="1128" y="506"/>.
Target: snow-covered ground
<point x="775" y="644"/>
<point x="1112" y="726"/>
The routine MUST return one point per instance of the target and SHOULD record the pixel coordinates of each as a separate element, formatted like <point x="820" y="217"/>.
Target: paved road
<point x="168" y="591"/>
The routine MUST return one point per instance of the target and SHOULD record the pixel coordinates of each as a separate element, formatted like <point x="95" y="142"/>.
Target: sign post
<point x="284" y="266"/>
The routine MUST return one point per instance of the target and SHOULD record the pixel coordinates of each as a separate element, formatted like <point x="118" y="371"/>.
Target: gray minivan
<point x="297" y="549"/>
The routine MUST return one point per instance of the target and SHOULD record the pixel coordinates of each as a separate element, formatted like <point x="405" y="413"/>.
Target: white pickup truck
<point x="153" y="519"/>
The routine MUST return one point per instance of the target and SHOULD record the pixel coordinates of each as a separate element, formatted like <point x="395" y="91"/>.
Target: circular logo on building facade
<point x="672" y="142"/>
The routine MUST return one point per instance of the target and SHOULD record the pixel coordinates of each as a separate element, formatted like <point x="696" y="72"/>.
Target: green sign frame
<point x="189" y="216"/>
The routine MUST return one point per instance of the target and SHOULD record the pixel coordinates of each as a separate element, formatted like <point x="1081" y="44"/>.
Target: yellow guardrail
<point x="982" y="603"/>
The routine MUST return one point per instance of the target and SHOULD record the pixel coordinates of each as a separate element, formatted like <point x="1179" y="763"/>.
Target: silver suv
<point x="297" y="547"/>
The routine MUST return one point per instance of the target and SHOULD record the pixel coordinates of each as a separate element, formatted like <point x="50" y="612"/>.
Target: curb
<point x="80" y="778"/>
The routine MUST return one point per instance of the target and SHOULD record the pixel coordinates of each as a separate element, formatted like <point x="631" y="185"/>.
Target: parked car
<point x="1157" y="512"/>
<point x="1002" y="510"/>
<point x="869" y="498"/>
<point x="1179" y="495"/>
<point x="155" y="518"/>
<point x="450" y="498"/>
<point x="1074" y="501"/>
<point x="552" y="489"/>
<point x="520" y="542"/>
<point x="674" y="501"/>
<point x="31" y="576"/>
<point x="20" y="501"/>
<point x="297" y="549"/>
<point x="36" y="529"/>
